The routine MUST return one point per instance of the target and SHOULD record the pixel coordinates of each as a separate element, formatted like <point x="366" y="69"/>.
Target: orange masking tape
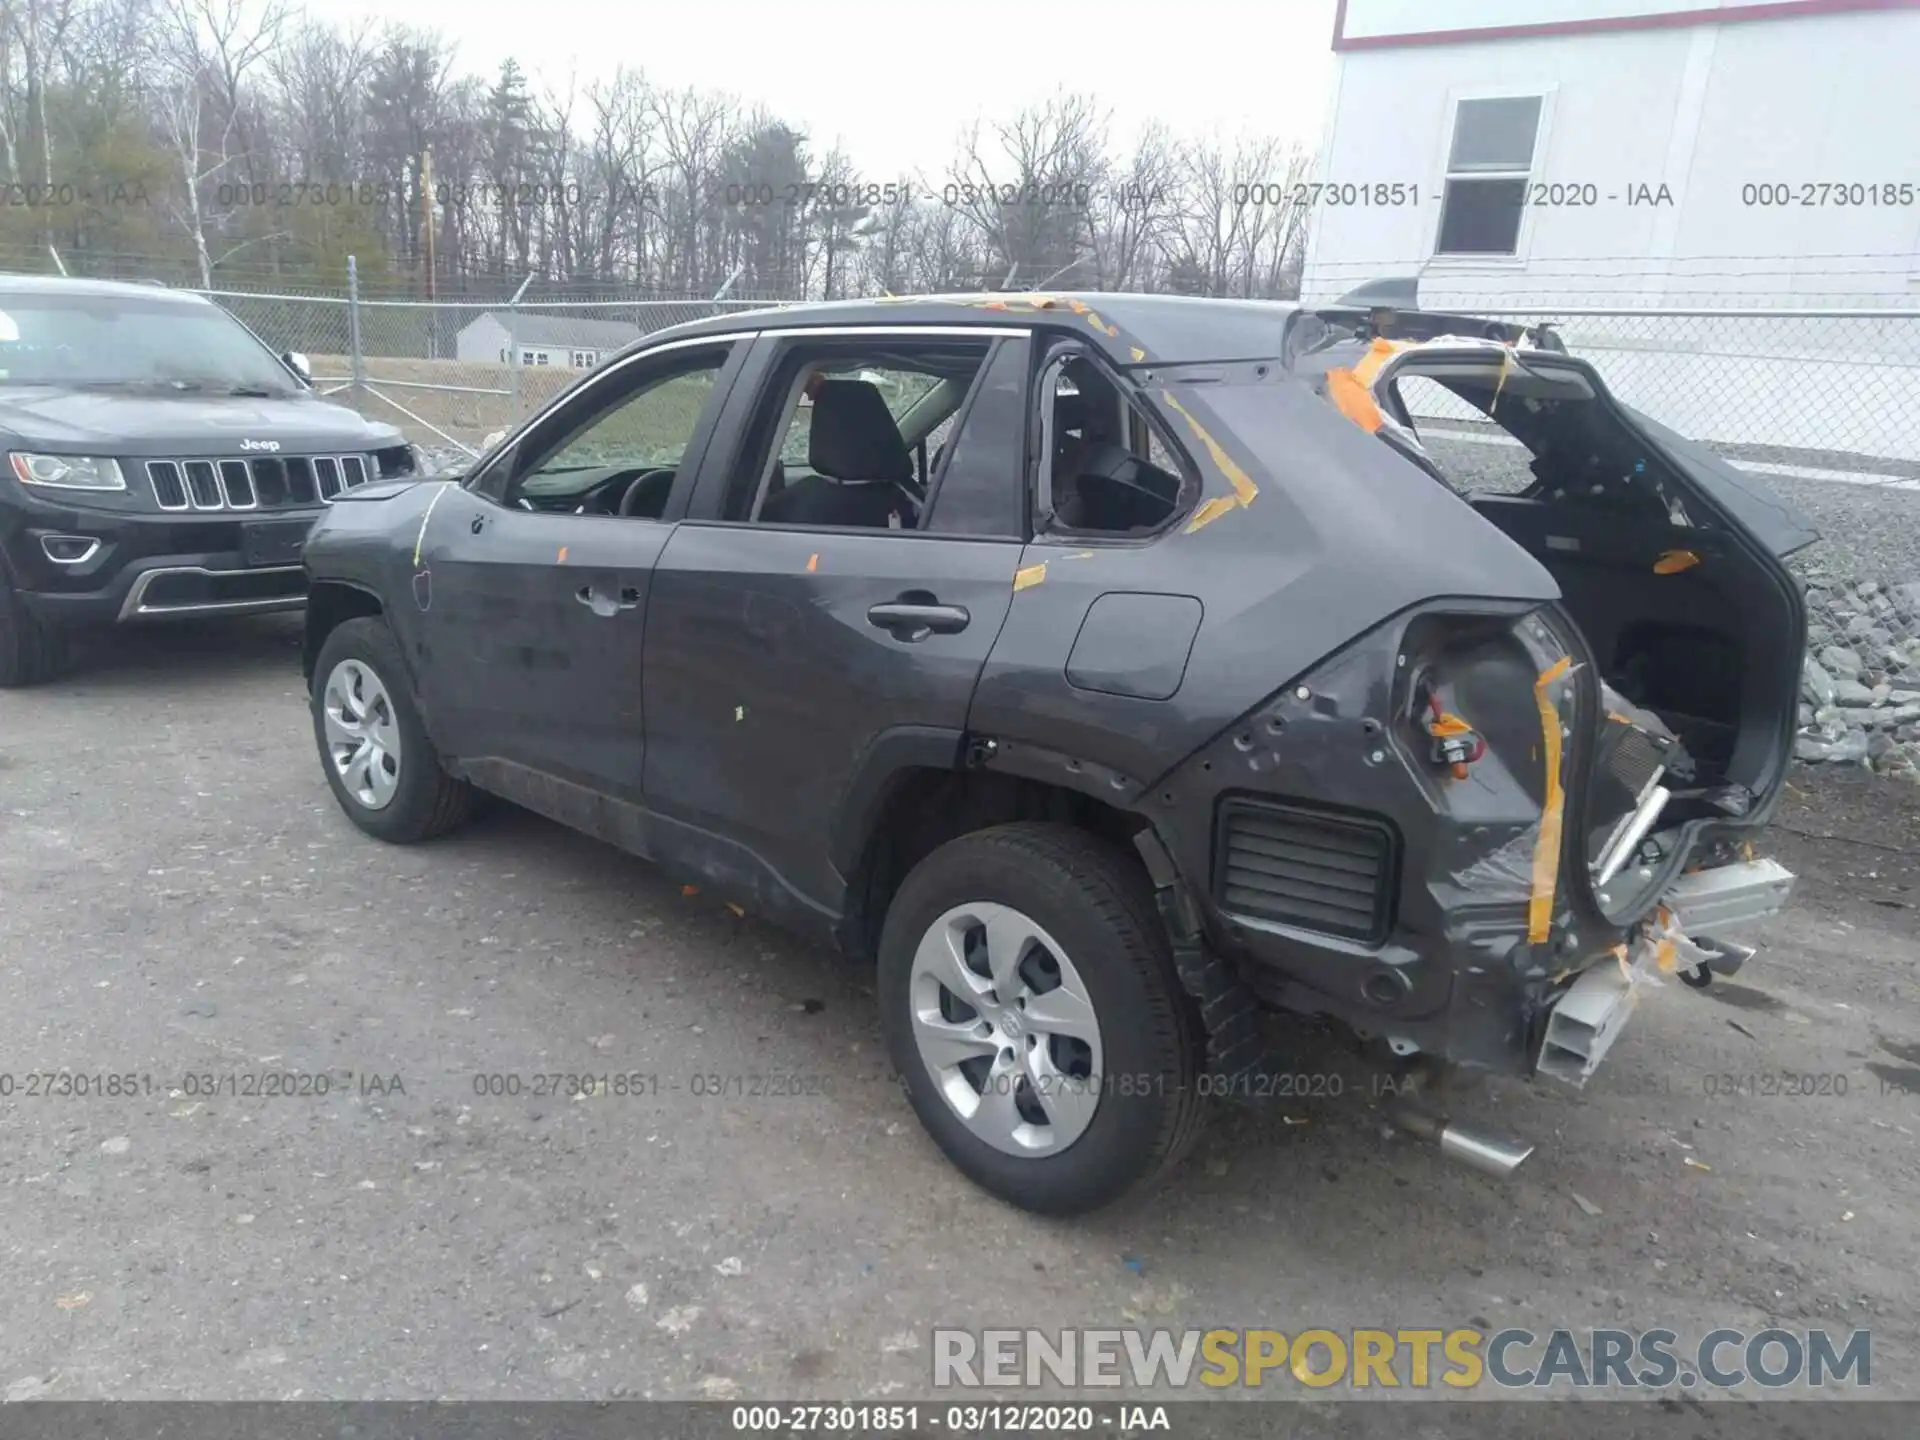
<point x="1377" y="355"/>
<point x="1546" y="849"/>
<point x="1354" y="400"/>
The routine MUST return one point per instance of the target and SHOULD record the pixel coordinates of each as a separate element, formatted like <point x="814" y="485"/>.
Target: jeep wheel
<point x="382" y="768"/>
<point x="30" y="651"/>
<point x="1031" y="1006"/>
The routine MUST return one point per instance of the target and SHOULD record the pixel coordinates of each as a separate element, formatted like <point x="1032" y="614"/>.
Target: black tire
<point x="1096" y="902"/>
<point x="427" y="801"/>
<point x="30" y="652"/>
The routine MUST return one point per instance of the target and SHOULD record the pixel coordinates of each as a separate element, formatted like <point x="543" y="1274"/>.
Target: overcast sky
<point x="895" y="82"/>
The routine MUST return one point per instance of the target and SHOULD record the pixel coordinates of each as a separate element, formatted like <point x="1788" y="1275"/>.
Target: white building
<point x="1637" y="154"/>
<point x="576" y="343"/>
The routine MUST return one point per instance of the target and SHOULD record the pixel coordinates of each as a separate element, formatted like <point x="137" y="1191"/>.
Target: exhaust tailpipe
<point x="1490" y="1154"/>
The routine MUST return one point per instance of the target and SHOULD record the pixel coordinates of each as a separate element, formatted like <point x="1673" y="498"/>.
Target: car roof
<point x="74" y="285"/>
<point x="1129" y="329"/>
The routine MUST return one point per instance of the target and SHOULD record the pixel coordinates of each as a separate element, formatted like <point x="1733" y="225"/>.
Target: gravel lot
<point x="179" y="897"/>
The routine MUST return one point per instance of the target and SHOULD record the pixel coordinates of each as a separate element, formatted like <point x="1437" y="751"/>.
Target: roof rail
<point x="149" y="280"/>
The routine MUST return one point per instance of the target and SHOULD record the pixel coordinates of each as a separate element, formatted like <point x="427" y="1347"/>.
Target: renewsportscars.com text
<point x="1458" y="1359"/>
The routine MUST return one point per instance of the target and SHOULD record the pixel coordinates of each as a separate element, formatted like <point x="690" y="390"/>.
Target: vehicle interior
<point x="1687" y="625"/>
<point x="1109" y="473"/>
<point x="856" y="439"/>
<point x="622" y="461"/>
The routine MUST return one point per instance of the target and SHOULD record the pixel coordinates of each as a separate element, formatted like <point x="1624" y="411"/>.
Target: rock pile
<point x="1860" y="688"/>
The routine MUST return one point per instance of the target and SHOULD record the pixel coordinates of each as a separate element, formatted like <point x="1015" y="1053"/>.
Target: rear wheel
<point x="1031" y="1006"/>
<point x="378" y="760"/>
<point x="30" y="650"/>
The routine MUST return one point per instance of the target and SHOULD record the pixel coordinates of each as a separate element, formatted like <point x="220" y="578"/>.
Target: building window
<point x="582" y="359"/>
<point x="526" y="357"/>
<point x="1488" y="168"/>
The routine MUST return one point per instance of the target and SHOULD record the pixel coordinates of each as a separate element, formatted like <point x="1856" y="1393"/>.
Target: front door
<point x="535" y="580"/>
<point x="821" y="609"/>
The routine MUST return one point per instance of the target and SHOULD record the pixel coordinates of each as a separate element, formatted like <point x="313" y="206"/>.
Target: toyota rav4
<point x="1107" y="671"/>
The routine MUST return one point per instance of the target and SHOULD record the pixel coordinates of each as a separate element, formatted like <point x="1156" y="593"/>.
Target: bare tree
<point x="39" y="26"/>
<point x="318" y="75"/>
<point x="694" y="129"/>
<point x="226" y="39"/>
<point x="205" y="50"/>
<point x="1137" y="214"/>
<point x="1029" y="193"/>
<point x="619" y="183"/>
<point x="621" y="166"/>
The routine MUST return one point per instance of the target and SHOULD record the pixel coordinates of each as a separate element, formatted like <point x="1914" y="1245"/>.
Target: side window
<point x="843" y="434"/>
<point x="619" y="455"/>
<point x="1106" y="469"/>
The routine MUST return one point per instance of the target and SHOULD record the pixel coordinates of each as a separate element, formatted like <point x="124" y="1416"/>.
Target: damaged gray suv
<point x="1109" y="672"/>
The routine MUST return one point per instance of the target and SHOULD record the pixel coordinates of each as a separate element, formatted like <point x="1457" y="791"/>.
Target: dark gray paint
<point x="776" y="714"/>
<point x="766" y="681"/>
<point x="516" y="665"/>
<point x="1137" y="645"/>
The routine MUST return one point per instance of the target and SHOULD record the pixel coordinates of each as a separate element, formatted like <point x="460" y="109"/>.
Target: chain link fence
<point x="450" y="374"/>
<point x="1835" y="387"/>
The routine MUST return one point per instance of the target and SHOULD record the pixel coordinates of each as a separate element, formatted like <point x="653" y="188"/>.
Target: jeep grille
<point x="259" y="482"/>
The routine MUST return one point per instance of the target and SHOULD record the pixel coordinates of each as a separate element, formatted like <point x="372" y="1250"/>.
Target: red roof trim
<point x="1724" y="15"/>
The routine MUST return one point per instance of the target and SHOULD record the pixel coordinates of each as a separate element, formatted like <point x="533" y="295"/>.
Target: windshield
<point x="112" y="340"/>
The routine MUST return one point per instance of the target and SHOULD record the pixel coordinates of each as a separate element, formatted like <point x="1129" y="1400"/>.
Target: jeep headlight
<point x="68" y="472"/>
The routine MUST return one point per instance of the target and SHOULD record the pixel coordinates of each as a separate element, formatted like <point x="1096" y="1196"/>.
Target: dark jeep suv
<point x="1108" y="671"/>
<point x="161" y="461"/>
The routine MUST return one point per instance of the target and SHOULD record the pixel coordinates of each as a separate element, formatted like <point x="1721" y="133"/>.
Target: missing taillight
<point x="1456" y="744"/>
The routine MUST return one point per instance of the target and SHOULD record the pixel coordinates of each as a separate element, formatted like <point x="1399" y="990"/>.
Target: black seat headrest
<point x="853" y="437"/>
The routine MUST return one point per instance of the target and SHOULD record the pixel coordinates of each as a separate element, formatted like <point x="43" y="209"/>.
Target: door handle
<point x="913" y="621"/>
<point x="606" y="605"/>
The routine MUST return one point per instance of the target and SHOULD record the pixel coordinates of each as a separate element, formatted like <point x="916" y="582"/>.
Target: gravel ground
<point x="182" y="899"/>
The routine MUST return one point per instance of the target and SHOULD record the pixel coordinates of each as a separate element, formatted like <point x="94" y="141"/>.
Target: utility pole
<point x="426" y="221"/>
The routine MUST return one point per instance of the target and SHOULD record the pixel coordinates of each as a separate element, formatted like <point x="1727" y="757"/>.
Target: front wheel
<point x="30" y="651"/>
<point x="378" y="761"/>
<point x="1031" y="1006"/>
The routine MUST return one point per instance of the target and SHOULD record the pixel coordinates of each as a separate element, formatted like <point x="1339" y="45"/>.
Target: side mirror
<point x="297" y="363"/>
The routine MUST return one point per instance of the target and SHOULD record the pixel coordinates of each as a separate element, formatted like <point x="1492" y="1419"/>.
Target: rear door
<point x="534" y="581"/>
<point x="781" y="657"/>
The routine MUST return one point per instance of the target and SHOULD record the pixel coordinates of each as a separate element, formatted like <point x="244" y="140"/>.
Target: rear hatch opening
<point x="1694" y="625"/>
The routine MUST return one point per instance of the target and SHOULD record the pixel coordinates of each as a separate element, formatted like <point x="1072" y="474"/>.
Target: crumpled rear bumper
<point x="1486" y="915"/>
<point x="1694" y="930"/>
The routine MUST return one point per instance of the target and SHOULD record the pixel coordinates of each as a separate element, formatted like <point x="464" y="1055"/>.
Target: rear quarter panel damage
<point x="1463" y="970"/>
<point x="1317" y="563"/>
